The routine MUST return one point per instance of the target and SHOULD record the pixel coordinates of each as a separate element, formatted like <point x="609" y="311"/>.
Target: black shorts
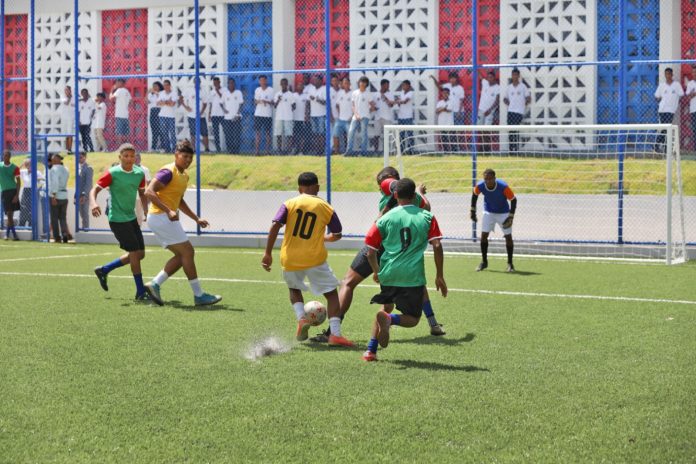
<point x="192" y="127"/>
<point x="263" y="124"/>
<point x="129" y="235"/>
<point x="360" y="263"/>
<point x="408" y="300"/>
<point x="7" y="200"/>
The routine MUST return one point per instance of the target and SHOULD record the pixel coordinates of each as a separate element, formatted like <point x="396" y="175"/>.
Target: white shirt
<point x="669" y="96"/>
<point x="384" y="111"/>
<point x="344" y="100"/>
<point x="316" y="108"/>
<point x="216" y="102"/>
<point x="332" y="100"/>
<point x="86" y="108"/>
<point x="122" y="97"/>
<point x="146" y="171"/>
<point x="691" y="88"/>
<point x="190" y="101"/>
<point x="285" y="101"/>
<point x="489" y="95"/>
<point x="167" y="111"/>
<point x="446" y="118"/>
<point x="264" y="107"/>
<point x="456" y="95"/>
<point x="361" y="101"/>
<point x="67" y="107"/>
<point x="25" y="176"/>
<point x="309" y="90"/>
<point x="152" y="100"/>
<point x="301" y="100"/>
<point x="405" y="110"/>
<point x="517" y="95"/>
<point x="233" y="103"/>
<point x="99" y="119"/>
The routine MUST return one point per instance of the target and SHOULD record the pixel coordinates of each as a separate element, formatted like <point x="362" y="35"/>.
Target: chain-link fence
<point x="268" y="89"/>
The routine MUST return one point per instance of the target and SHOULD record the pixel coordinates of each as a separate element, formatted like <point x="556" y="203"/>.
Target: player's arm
<point x="335" y="229"/>
<point x="18" y="184"/>
<point x="425" y="203"/>
<point x="93" y="206"/>
<point x="373" y="240"/>
<point x="474" y="199"/>
<point x="513" y="206"/>
<point x="434" y="237"/>
<point x="186" y="209"/>
<point x="279" y="221"/>
<point x="437" y="83"/>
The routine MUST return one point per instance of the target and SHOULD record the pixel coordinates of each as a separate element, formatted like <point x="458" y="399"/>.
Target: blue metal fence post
<point x="197" y="85"/>
<point x="2" y="74"/>
<point x="76" y="93"/>
<point x="622" y="119"/>
<point x="35" y="198"/>
<point x="474" y="93"/>
<point x="327" y="82"/>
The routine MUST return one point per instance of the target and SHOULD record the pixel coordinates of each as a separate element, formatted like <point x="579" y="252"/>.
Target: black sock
<point x="484" y="250"/>
<point x="509" y="248"/>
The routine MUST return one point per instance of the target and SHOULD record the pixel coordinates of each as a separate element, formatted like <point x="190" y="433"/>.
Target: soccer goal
<point x="589" y="191"/>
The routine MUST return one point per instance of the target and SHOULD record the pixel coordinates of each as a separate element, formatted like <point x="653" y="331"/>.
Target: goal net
<point x="592" y="191"/>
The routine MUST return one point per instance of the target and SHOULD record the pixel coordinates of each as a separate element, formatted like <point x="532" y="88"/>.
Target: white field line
<point x="456" y="290"/>
<point x="41" y="258"/>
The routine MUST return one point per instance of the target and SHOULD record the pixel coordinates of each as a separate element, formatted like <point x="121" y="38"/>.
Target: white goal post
<point x="589" y="191"/>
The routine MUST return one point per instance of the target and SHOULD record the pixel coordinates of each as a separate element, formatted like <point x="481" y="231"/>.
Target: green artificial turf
<point x="537" y="376"/>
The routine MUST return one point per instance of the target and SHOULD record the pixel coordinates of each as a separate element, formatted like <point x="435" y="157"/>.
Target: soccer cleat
<point x="206" y="299"/>
<point x="482" y="265"/>
<point x="153" y="290"/>
<point x="335" y="340"/>
<point x="437" y="330"/>
<point x="384" y="322"/>
<point x="102" y="278"/>
<point x="510" y="268"/>
<point x="321" y="337"/>
<point x="143" y="297"/>
<point x="369" y="356"/>
<point x="303" y="326"/>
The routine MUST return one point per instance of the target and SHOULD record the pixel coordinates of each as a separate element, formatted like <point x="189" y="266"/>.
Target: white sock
<point x="299" y="310"/>
<point x="196" y="287"/>
<point x="335" y="326"/>
<point x="160" y="278"/>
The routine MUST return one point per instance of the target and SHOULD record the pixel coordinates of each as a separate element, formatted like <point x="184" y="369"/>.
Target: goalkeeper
<point x="496" y="210"/>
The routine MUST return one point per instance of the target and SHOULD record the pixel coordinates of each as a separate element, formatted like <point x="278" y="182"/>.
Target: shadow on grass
<point x="183" y="306"/>
<point x="432" y="340"/>
<point x="518" y="273"/>
<point x="433" y="366"/>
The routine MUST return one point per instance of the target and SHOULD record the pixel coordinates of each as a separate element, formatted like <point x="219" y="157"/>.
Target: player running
<point x="303" y="253"/>
<point x="166" y="194"/>
<point x="9" y="185"/>
<point x="360" y="268"/>
<point x="124" y="181"/>
<point x="404" y="233"/>
<point x="496" y="210"/>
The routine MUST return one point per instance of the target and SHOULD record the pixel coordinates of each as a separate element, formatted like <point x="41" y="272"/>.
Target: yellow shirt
<point x="306" y="218"/>
<point x="175" y="187"/>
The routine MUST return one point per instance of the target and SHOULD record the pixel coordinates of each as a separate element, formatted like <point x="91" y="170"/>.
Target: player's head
<point x="83" y="157"/>
<point x="668" y="74"/>
<point x="363" y="82"/>
<point x="167" y="85"/>
<point x="334" y="81"/>
<point x="405" y="190"/>
<point x="263" y="80"/>
<point x="6" y="155"/>
<point x="316" y="80"/>
<point x="68" y="90"/>
<point x="157" y="86"/>
<point x="299" y="87"/>
<point x="84" y="93"/>
<point x="56" y="159"/>
<point x="231" y="84"/>
<point x="490" y="77"/>
<point x="126" y="154"/>
<point x="384" y="85"/>
<point x="387" y="173"/>
<point x="284" y="84"/>
<point x="183" y="154"/>
<point x="445" y="93"/>
<point x="308" y="182"/>
<point x="406" y="85"/>
<point x="101" y="96"/>
<point x="345" y="83"/>
<point x="489" y="178"/>
<point x="216" y="82"/>
<point x="305" y="79"/>
<point x="454" y="78"/>
<point x="515" y="75"/>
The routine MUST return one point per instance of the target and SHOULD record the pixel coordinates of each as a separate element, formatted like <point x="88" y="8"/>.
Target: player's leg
<point x="435" y="327"/>
<point x="324" y="282"/>
<point x="187" y="253"/>
<point x="484" y="252"/>
<point x="296" y="285"/>
<point x="509" y="246"/>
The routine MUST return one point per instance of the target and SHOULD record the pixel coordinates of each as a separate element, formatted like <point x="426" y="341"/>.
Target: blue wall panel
<point x="250" y="47"/>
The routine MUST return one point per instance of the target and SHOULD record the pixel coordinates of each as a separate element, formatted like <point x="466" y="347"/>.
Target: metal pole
<point x="2" y="73"/>
<point x="197" y="84"/>
<point x="622" y="120"/>
<point x="327" y="83"/>
<point x="669" y="154"/>
<point x="35" y="198"/>
<point x="76" y="93"/>
<point x="474" y="94"/>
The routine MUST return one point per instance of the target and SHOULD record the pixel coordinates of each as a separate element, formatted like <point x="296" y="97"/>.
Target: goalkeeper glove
<point x="473" y="215"/>
<point x="508" y="222"/>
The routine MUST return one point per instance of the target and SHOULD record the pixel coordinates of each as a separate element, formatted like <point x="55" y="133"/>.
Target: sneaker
<point x="369" y="356"/>
<point x="143" y="298"/>
<point x="102" y="278"/>
<point x="437" y="330"/>
<point x="482" y="265"/>
<point x="335" y="340"/>
<point x="384" y="322"/>
<point x="206" y="299"/>
<point x="303" y="326"/>
<point x="510" y="268"/>
<point x="322" y="337"/>
<point x="153" y="290"/>
<point x="16" y="239"/>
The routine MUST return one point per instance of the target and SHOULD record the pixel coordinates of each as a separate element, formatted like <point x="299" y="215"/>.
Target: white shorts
<point x="167" y="232"/>
<point x="321" y="279"/>
<point x="485" y="120"/>
<point x="491" y="219"/>
<point x="67" y="125"/>
<point x="379" y="126"/>
<point x="284" y="127"/>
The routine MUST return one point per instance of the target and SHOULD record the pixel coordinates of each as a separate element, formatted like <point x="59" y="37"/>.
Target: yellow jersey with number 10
<point x="175" y="184"/>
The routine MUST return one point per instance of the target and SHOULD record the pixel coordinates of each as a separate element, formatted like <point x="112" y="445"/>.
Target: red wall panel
<point x="16" y="93"/>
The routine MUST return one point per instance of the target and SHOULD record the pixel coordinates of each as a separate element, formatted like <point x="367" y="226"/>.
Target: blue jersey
<point x="496" y="200"/>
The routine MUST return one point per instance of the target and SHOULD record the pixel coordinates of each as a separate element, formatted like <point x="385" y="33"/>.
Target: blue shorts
<point x="122" y="126"/>
<point x="263" y="124"/>
<point x="340" y="127"/>
<point x="192" y="126"/>
<point x="318" y="124"/>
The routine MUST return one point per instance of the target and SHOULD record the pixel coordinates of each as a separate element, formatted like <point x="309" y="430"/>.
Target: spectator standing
<point x="122" y="97"/>
<point x="154" y="112"/>
<point x="217" y="112"/>
<point x="384" y="101"/>
<point x="301" y="127"/>
<point x="67" y="117"/>
<point x="517" y="98"/>
<point x="87" y="109"/>
<point x="333" y="93"/>
<point x="188" y="101"/>
<point x="99" y="121"/>
<point x="85" y="181"/>
<point x="405" y="116"/>
<point x="263" y="114"/>
<point x="488" y="106"/>
<point x="444" y="113"/>
<point x="344" y="111"/>
<point x="317" y="114"/>
<point x="362" y="106"/>
<point x="167" y="103"/>
<point x="232" y="124"/>
<point x="667" y="94"/>
<point x="456" y="95"/>
<point x="284" y="108"/>
<point x="58" y="193"/>
<point x="691" y="94"/>
<point x="26" y="200"/>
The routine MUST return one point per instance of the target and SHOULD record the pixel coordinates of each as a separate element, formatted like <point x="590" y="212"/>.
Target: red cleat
<point x="303" y="326"/>
<point x="369" y="356"/>
<point x="339" y="341"/>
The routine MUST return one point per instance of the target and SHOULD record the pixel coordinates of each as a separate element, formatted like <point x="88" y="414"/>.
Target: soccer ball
<point x="315" y="312"/>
